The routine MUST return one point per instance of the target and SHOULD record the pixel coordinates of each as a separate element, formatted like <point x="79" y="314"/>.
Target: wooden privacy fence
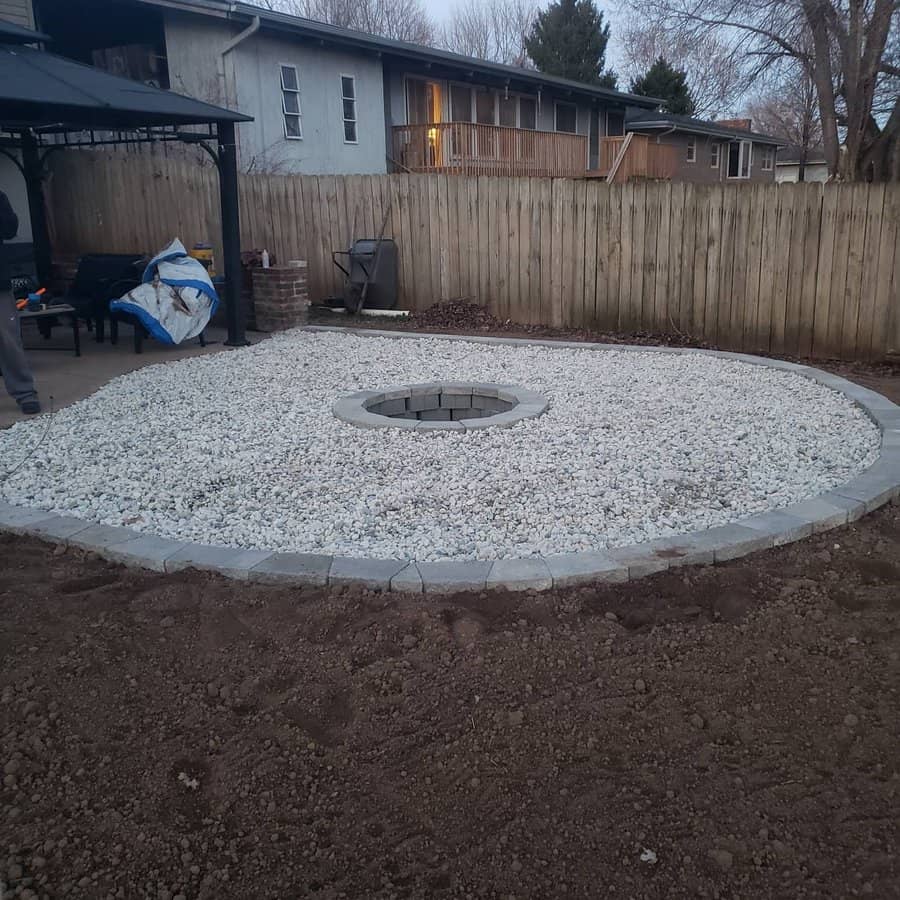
<point x="805" y="270"/>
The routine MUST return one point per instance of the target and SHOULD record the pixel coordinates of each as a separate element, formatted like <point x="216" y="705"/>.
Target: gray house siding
<point x="18" y="12"/>
<point x="249" y="79"/>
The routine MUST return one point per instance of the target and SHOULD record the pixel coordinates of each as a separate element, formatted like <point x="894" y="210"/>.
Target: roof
<point x="663" y="120"/>
<point x="244" y="13"/>
<point x="38" y="88"/>
<point x="789" y="155"/>
<point x="16" y="34"/>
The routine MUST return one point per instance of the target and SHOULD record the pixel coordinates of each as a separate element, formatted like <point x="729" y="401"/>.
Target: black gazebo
<point x="49" y="103"/>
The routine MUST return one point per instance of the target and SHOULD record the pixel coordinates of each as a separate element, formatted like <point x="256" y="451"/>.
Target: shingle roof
<point x="651" y="121"/>
<point x="278" y="21"/>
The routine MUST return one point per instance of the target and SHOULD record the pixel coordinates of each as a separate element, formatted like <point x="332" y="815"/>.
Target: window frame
<point x="691" y="155"/>
<point x="284" y="111"/>
<point x="504" y="97"/>
<point x="495" y="110"/>
<point x="768" y="158"/>
<point x="534" y="101"/>
<point x="617" y="114"/>
<point x="421" y="79"/>
<point x="467" y="87"/>
<point x="715" y="155"/>
<point x="344" y="119"/>
<point x="742" y="158"/>
<point x="556" y="105"/>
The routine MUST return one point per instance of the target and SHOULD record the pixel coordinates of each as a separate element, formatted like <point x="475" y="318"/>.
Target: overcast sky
<point x="440" y="11"/>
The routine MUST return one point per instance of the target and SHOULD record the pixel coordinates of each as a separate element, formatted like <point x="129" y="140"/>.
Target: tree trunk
<point x="823" y="79"/>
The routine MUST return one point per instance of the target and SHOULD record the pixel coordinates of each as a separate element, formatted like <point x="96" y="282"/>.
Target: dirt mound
<point x="719" y="732"/>
<point x="462" y="316"/>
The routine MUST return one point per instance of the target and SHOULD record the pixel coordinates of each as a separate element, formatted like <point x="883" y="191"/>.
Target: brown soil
<point x="186" y="736"/>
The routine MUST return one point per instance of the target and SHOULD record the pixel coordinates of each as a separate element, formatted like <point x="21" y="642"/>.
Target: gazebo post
<point x="231" y="233"/>
<point x="40" y="234"/>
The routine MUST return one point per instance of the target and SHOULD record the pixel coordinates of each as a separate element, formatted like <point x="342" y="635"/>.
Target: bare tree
<point x="715" y="82"/>
<point x="788" y="109"/>
<point x="400" y="20"/>
<point x="846" y="47"/>
<point x="494" y="31"/>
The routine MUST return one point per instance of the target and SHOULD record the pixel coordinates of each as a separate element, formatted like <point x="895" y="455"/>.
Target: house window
<point x="615" y="123"/>
<point x="739" y="153"/>
<point x="485" y="113"/>
<point x="460" y="103"/>
<point x="290" y="102"/>
<point x="714" y="155"/>
<point x="691" y="149"/>
<point x="423" y="102"/>
<point x="768" y="160"/>
<point x="566" y="118"/>
<point x="348" y="97"/>
<point x="508" y="109"/>
<point x="527" y="113"/>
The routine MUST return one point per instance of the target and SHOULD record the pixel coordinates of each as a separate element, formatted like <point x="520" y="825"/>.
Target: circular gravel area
<point x="242" y="449"/>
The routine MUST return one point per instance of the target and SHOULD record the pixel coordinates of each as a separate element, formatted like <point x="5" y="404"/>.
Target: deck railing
<point x="644" y="158"/>
<point x="464" y="148"/>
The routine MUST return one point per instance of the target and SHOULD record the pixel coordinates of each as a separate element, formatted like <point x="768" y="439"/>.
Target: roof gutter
<point x="237" y="40"/>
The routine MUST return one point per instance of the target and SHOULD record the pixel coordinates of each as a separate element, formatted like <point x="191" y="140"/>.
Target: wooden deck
<point x="464" y="148"/>
<point x="643" y="158"/>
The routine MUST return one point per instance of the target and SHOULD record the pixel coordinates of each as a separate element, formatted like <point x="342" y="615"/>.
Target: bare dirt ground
<point x="721" y="732"/>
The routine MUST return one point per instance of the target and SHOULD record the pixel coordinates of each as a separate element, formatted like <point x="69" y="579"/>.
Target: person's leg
<point x="16" y="371"/>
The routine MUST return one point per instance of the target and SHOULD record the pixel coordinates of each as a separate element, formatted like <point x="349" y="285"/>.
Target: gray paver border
<point x="877" y="485"/>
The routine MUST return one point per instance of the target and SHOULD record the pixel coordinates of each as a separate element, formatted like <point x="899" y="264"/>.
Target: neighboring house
<point x="708" y="152"/>
<point x="331" y="101"/>
<point x="787" y="166"/>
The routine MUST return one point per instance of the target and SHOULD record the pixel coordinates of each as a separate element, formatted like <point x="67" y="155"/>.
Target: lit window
<point x="566" y="118"/>
<point x="348" y="97"/>
<point x="290" y="102"/>
<point x="768" y="162"/>
<point x="714" y="155"/>
<point x="692" y="149"/>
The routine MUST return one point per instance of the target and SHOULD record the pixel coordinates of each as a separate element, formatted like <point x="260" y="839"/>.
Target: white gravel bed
<point x="241" y="449"/>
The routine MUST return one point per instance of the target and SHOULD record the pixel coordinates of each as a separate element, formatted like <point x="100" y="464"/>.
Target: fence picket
<point x="793" y="269"/>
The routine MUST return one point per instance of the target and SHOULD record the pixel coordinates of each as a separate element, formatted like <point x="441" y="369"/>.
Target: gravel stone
<point x="635" y="447"/>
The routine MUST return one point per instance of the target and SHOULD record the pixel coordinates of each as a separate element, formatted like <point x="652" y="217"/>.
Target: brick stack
<point x="280" y="297"/>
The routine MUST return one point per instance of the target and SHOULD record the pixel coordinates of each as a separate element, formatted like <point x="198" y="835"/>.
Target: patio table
<point x="61" y="309"/>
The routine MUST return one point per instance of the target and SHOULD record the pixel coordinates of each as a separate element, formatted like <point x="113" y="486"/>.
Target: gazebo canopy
<point x="16" y="34"/>
<point x="43" y="95"/>
<point x="39" y="89"/>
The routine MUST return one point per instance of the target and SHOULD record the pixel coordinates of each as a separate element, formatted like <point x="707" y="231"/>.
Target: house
<point x="327" y="100"/>
<point x="787" y="165"/>
<point x="706" y="152"/>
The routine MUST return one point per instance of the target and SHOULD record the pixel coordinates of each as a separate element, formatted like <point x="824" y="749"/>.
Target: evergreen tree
<point x="669" y="84"/>
<point x="569" y="39"/>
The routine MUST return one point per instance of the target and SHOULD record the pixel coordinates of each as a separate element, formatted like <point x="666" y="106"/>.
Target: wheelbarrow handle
<point x="335" y="254"/>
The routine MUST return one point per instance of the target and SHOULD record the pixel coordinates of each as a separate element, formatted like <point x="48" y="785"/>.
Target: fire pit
<point x="441" y="406"/>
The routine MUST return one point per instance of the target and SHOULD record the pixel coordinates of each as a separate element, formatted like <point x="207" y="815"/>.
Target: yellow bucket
<point x="203" y="253"/>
